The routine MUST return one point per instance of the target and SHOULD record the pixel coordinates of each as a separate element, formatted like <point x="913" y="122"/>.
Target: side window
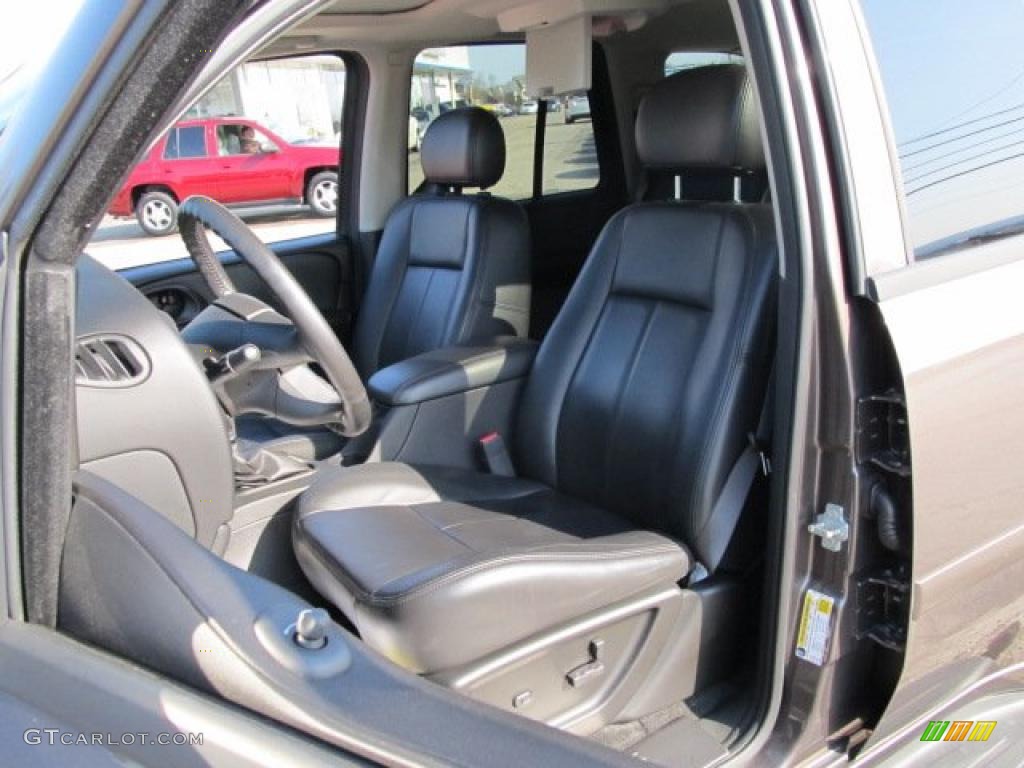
<point x="288" y="107"/>
<point x="191" y="141"/>
<point x="242" y="139"/>
<point x="184" y="142"/>
<point x="570" y="154"/>
<point x="171" y="147"/>
<point x="488" y="76"/>
<point x="494" y="77"/>
<point x="954" y="84"/>
<point x="677" y="62"/>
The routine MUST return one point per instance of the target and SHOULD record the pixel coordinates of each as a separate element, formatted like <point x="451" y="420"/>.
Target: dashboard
<point x="148" y="420"/>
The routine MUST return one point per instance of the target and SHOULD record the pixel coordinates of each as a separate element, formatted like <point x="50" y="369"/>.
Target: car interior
<point x="486" y="451"/>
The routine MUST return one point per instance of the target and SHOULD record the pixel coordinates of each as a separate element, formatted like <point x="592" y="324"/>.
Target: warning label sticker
<point x="815" y="627"/>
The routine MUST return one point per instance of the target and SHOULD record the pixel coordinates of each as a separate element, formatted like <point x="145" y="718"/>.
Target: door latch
<point x="831" y="527"/>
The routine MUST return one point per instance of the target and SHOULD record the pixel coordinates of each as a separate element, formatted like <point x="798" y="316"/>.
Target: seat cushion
<point x="437" y="567"/>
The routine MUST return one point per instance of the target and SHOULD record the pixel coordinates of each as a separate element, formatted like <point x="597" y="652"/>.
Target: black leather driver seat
<point x="637" y="408"/>
<point x="451" y="268"/>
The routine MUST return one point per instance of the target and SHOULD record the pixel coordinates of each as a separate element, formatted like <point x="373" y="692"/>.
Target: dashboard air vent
<point x="109" y="361"/>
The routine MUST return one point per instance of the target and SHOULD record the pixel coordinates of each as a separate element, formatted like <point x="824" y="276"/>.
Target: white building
<point x="300" y="99"/>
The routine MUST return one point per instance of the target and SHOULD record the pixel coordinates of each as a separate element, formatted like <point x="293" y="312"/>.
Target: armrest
<point x="451" y="370"/>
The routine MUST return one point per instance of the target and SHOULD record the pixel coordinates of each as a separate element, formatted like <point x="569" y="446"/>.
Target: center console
<point x="434" y="408"/>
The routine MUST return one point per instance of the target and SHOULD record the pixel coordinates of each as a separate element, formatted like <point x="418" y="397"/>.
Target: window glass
<point x="489" y="76"/>
<point x="494" y="77"/>
<point x="570" y="154"/>
<point x="953" y="77"/>
<point x="185" y="141"/>
<point x="191" y="141"/>
<point x="289" y="117"/>
<point x="677" y="62"/>
<point x="242" y="139"/>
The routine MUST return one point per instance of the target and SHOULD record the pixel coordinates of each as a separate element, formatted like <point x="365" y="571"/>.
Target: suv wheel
<point x="157" y="213"/>
<point x="322" y="193"/>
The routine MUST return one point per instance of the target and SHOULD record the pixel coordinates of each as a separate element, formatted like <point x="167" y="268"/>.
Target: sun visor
<point x="558" y="58"/>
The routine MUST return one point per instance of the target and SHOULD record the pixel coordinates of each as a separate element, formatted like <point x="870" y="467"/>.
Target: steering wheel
<point x="264" y="360"/>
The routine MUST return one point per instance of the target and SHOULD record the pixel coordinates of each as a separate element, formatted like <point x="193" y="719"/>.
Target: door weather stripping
<point x="831" y="527"/>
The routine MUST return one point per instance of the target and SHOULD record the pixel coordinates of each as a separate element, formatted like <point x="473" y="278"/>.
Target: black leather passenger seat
<point x="638" y="407"/>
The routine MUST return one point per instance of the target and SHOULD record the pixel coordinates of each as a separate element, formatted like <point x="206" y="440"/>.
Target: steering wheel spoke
<point x="281" y="384"/>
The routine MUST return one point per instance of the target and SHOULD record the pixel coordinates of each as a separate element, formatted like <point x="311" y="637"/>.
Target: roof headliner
<point x="404" y="24"/>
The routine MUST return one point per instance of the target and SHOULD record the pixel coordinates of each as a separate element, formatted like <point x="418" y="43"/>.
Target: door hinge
<point x="883" y="437"/>
<point x="883" y="607"/>
<point x="831" y="527"/>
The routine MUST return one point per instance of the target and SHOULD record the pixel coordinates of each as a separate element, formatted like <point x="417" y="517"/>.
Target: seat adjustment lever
<point x="592" y="668"/>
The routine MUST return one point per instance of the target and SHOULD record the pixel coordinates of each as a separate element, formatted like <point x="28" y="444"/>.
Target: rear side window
<point x="953" y="76"/>
<point x="570" y="151"/>
<point x="488" y="76"/>
<point x="677" y="62"/>
<point x="494" y="77"/>
<point x="185" y="142"/>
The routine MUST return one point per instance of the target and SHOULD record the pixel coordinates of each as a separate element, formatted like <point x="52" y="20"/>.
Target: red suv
<point x="232" y="160"/>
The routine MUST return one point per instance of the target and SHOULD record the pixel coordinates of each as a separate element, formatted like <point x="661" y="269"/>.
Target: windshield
<point x="28" y="39"/>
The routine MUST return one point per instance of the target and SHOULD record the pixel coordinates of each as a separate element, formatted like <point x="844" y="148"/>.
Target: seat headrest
<point x="701" y="119"/>
<point x="464" y="148"/>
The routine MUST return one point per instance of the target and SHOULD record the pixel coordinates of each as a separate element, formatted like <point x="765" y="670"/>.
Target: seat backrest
<point x="653" y="374"/>
<point x="451" y="267"/>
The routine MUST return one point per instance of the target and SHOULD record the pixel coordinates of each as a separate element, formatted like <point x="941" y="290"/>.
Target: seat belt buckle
<point x="762" y="454"/>
<point x="492" y="446"/>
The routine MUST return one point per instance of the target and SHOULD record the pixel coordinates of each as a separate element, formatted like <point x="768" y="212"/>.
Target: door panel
<point x="321" y="264"/>
<point x="54" y="688"/>
<point x="245" y="178"/>
<point x="961" y="349"/>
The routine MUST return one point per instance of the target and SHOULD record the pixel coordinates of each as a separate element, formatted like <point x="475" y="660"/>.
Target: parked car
<point x="447" y="106"/>
<point x="528" y="107"/>
<point x="232" y="160"/>
<point x="497" y="108"/>
<point x="576" y="107"/>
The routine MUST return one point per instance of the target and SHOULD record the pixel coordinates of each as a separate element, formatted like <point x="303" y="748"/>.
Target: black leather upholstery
<point x="451" y="269"/>
<point x="449" y="370"/>
<point x="464" y="148"/>
<point x="428" y="562"/>
<point x="638" y="405"/>
<point x="651" y="377"/>
<point x="701" y="118"/>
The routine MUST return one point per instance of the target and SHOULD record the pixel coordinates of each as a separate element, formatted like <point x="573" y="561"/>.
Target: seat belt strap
<point x="740" y="481"/>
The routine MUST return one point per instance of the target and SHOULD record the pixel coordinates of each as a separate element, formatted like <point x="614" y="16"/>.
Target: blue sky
<point x="502" y="61"/>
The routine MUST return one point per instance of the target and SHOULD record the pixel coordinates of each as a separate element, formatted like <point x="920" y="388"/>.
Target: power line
<point x="999" y="92"/>
<point x="961" y="136"/>
<point x="963" y="160"/>
<point x="968" y="148"/>
<point x="967" y="172"/>
<point x="960" y="125"/>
